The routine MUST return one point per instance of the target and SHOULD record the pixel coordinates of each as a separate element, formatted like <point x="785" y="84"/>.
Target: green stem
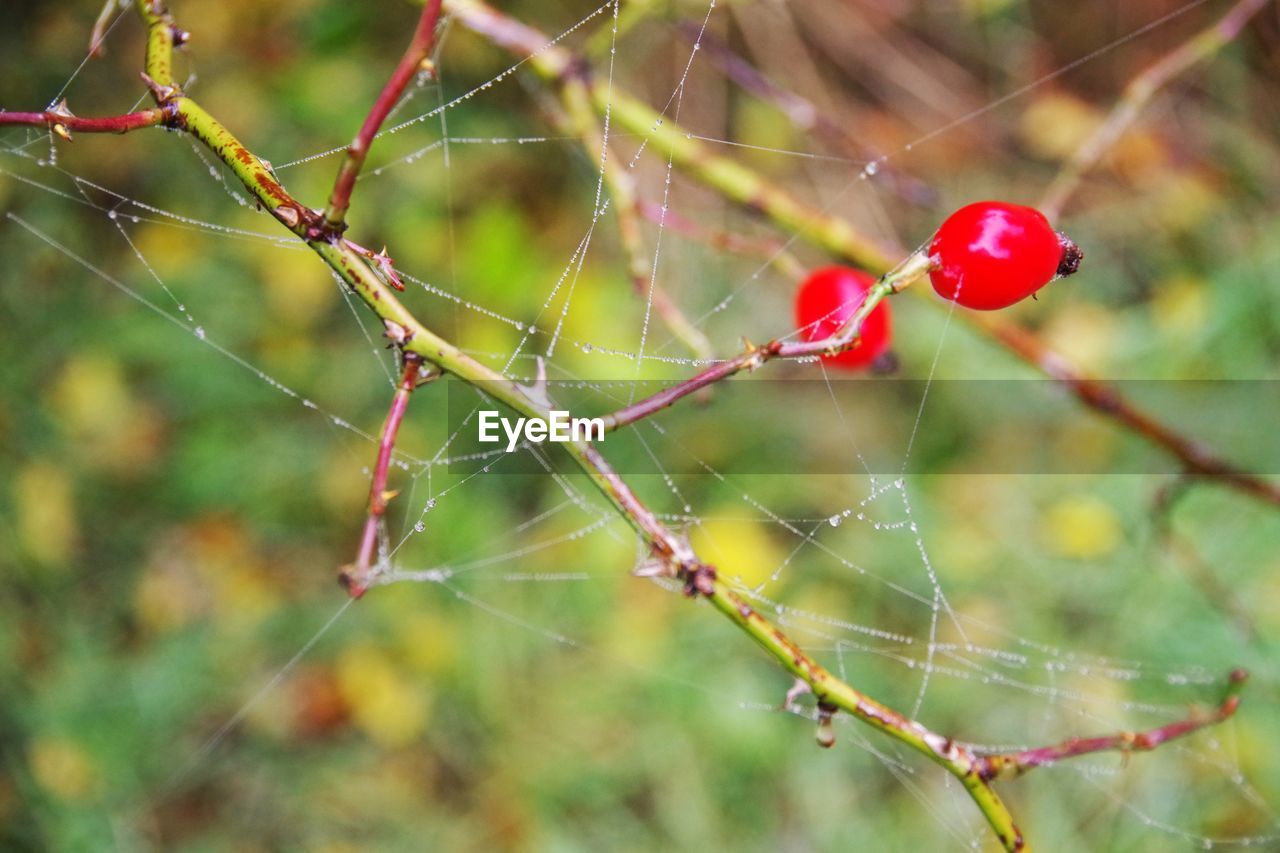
<point x="828" y="689"/>
<point x="160" y="41"/>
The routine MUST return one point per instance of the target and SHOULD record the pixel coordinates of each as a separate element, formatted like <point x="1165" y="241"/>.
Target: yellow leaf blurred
<point x="1139" y="156"/>
<point x="167" y="598"/>
<point x="343" y="485"/>
<point x="739" y="548"/>
<point x="299" y="290"/>
<point x="638" y="628"/>
<point x="1083" y="332"/>
<point x="45" y="513"/>
<point x="1082" y="527"/>
<point x="1184" y="200"/>
<point x="428" y="641"/>
<point x="99" y="414"/>
<point x="384" y="703"/>
<point x="90" y="395"/>
<point x="212" y="567"/>
<point x="61" y="767"/>
<point x="170" y="251"/>
<point x="1179" y="306"/>
<point x="1055" y="124"/>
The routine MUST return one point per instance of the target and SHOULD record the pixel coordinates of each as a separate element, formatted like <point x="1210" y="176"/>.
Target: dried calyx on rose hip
<point x="827" y="299"/>
<point x="991" y="254"/>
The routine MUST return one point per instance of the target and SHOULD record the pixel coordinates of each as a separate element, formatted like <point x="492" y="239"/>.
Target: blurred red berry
<point x="826" y="301"/>
<point x="991" y="254"/>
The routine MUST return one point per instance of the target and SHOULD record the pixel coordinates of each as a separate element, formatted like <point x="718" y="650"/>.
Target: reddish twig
<point x="1006" y="765"/>
<point x="756" y="356"/>
<point x="410" y="63"/>
<point x="62" y="122"/>
<point x="355" y="577"/>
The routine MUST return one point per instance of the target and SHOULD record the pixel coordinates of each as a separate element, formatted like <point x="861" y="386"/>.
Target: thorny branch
<point x="1010" y="764"/>
<point x="670" y="553"/>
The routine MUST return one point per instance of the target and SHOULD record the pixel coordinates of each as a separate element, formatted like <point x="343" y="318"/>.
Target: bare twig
<point x="355" y="577"/>
<point x="1137" y="93"/>
<point x="63" y="123"/>
<point x="1006" y="765"/>
<point x="755" y="356"/>
<point x="418" y="51"/>
<point x="98" y="36"/>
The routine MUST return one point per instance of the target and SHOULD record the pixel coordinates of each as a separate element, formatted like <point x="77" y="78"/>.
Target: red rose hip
<point x="991" y="254"/>
<point x="826" y="301"/>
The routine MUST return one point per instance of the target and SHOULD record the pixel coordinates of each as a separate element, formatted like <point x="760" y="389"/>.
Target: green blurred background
<point x="171" y="523"/>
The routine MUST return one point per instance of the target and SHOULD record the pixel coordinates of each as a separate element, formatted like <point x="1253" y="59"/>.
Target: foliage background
<point x="170" y="524"/>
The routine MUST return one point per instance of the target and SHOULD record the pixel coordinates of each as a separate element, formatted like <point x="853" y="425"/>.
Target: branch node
<point x="700" y="579"/>
<point x="61" y="109"/>
<point x="347" y="580"/>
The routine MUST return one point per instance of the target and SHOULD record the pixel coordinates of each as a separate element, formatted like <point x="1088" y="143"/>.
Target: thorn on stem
<point x="800" y="688"/>
<point x="288" y="215"/>
<point x="427" y="373"/>
<point x="651" y="568"/>
<point x="162" y="94"/>
<point x="397" y="334"/>
<point x="537" y="392"/>
<point x="61" y="109"/>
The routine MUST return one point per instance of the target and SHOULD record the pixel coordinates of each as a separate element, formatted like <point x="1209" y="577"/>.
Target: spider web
<point x="857" y="579"/>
